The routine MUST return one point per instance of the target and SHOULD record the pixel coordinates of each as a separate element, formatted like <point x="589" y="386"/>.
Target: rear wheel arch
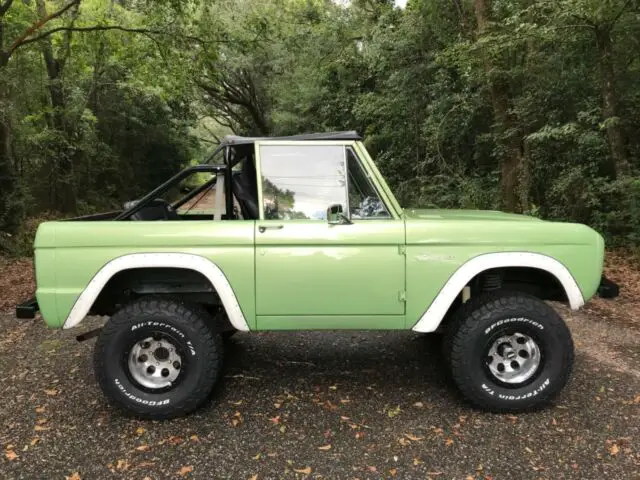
<point x="204" y="273"/>
<point x="516" y="264"/>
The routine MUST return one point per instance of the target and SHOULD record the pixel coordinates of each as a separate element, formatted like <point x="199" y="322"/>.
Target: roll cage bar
<point x="228" y="147"/>
<point x="225" y="168"/>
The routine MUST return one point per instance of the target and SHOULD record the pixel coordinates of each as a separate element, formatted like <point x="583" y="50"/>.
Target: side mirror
<point x="336" y="216"/>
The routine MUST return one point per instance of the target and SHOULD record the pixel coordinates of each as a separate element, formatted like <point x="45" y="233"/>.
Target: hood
<point x="482" y="215"/>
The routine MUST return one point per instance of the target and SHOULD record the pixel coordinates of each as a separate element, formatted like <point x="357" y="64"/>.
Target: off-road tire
<point x="479" y="322"/>
<point x="189" y="327"/>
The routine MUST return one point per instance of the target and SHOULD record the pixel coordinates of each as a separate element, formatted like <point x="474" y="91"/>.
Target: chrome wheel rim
<point x="513" y="358"/>
<point x="155" y="363"/>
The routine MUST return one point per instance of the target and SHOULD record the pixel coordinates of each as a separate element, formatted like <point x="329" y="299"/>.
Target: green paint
<point x="372" y="274"/>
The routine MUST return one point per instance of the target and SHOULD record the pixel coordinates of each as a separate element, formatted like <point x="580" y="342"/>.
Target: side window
<point x="302" y="181"/>
<point x="364" y="201"/>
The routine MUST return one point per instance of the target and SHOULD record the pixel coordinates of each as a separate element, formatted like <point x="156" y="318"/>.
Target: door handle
<point x="263" y="228"/>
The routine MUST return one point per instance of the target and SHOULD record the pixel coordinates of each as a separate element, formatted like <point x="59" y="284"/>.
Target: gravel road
<point x="320" y="405"/>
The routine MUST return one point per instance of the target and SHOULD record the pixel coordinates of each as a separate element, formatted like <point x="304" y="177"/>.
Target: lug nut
<point x="176" y="365"/>
<point x="151" y="369"/>
<point x="142" y="358"/>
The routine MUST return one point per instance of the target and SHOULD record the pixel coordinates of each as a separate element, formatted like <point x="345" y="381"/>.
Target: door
<point x="353" y="269"/>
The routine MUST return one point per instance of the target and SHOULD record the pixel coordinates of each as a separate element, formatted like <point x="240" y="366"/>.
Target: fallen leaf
<point x="333" y="387"/>
<point x="359" y="435"/>
<point x="512" y="418"/>
<point x="11" y="455"/>
<point x="122" y="465"/>
<point x="277" y="405"/>
<point x="614" y="450"/>
<point x="140" y="431"/>
<point x="40" y="428"/>
<point x="469" y="477"/>
<point x="34" y="441"/>
<point x="275" y="419"/>
<point x="239" y="402"/>
<point x="417" y="461"/>
<point x="392" y="412"/>
<point x="403" y="441"/>
<point x="393" y="472"/>
<point x="528" y="449"/>
<point x="143" y="448"/>
<point x="345" y="400"/>
<point x="253" y="477"/>
<point x="173" y="440"/>
<point x="40" y="409"/>
<point x="42" y="421"/>
<point x="413" y="438"/>
<point x="306" y="470"/>
<point x="185" y="470"/>
<point x="283" y="429"/>
<point x="51" y="392"/>
<point x="194" y="438"/>
<point x="73" y="476"/>
<point x="448" y="442"/>
<point x="237" y="419"/>
<point x="330" y="406"/>
<point x="418" y="405"/>
<point x="325" y="447"/>
<point x="372" y="468"/>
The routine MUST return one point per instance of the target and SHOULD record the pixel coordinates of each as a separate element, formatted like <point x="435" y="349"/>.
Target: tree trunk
<point x="63" y="189"/>
<point x="615" y="134"/>
<point x="509" y="140"/>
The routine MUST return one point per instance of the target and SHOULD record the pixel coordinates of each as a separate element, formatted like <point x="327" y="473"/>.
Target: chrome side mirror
<point x="336" y="216"/>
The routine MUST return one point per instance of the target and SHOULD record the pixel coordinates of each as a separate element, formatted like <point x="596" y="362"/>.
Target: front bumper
<point x="607" y="288"/>
<point x="27" y="309"/>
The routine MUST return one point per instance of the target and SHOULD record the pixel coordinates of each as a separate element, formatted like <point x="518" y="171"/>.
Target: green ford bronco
<point x="303" y="233"/>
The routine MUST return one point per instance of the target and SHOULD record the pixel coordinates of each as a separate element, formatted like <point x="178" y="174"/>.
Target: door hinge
<point x="402" y="250"/>
<point x="402" y="296"/>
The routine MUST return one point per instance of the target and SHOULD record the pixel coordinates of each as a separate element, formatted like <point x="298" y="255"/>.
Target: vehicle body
<point x="305" y="234"/>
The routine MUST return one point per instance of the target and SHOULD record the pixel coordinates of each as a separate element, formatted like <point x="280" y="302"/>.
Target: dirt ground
<point x="324" y="405"/>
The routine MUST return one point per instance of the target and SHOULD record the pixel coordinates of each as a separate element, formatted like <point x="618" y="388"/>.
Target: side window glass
<point x="364" y="201"/>
<point x="302" y="181"/>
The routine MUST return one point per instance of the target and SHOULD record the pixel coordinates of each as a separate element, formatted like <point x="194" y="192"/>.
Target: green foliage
<point x="532" y="106"/>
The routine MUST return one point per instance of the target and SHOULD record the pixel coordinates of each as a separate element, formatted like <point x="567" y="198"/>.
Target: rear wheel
<point x="509" y="352"/>
<point x="158" y="359"/>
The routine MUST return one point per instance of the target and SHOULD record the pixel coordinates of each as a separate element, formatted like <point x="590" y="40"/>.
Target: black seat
<point x="157" y="209"/>
<point x="241" y="188"/>
<point x="245" y="188"/>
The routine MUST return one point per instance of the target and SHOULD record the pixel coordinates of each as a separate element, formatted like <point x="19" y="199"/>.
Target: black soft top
<point x="349" y="135"/>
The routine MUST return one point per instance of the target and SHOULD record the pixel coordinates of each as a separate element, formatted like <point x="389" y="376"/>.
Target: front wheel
<point x="509" y="352"/>
<point x="158" y="359"/>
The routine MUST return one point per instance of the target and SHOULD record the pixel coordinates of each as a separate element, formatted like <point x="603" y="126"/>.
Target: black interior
<point x="245" y="188"/>
<point x="157" y="209"/>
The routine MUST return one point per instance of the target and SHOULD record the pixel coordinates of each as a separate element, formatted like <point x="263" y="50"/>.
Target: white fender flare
<point x="431" y="319"/>
<point x="159" y="260"/>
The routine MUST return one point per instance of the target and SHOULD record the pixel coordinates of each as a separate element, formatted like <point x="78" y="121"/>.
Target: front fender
<point x="431" y="318"/>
